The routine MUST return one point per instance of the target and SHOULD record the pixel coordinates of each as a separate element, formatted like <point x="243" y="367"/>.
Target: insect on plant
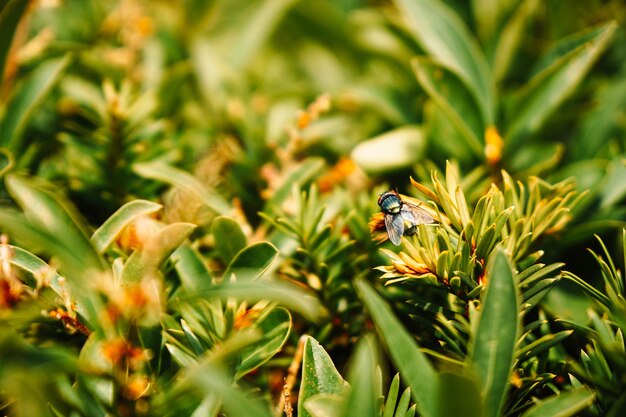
<point x="401" y="217"/>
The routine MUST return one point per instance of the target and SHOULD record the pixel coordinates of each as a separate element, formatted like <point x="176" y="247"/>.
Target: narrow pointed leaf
<point x="319" y="375"/>
<point x="550" y="87"/>
<point x="10" y="14"/>
<point x="492" y="349"/>
<point x="466" y="394"/>
<point x="212" y="381"/>
<point x="32" y="264"/>
<point x="511" y="36"/>
<point x="563" y="405"/>
<point x="413" y="365"/>
<point x="444" y="35"/>
<point x="160" y="171"/>
<point x="454" y="99"/>
<point x="543" y="343"/>
<point x="54" y="215"/>
<point x="403" y="405"/>
<point x="392" y="397"/>
<point x="361" y="400"/>
<point x="254" y="32"/>
<point x="289" y="295"/>
<point x="297" y="177"/>
<point x="27" y="96"/>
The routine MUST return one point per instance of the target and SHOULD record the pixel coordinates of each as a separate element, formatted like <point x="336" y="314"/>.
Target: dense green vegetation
<point x="189" y="220"/>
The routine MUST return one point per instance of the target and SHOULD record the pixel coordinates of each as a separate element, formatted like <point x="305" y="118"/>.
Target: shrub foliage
<point x="189" y="223"/>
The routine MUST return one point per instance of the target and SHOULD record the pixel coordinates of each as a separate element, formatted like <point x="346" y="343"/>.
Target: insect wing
<point x="418" y="214"/>
<point x="395" y="228"/>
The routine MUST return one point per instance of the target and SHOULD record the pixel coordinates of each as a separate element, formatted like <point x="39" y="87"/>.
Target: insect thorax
<point x="390" y="203"/>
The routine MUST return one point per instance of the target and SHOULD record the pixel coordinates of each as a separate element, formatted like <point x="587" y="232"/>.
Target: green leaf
<point x="511" y="36"/>
<point x="454" y="99"/>
<point x="396" y="149"/>
<point x="211" y="380"/>
<point x="38" y="240"/>
<point x="229" y="238"/>
<point x="437" y="124"/>
<point x="125" y="215"/>
<point x="53" y="215"/>
<point x="403" y="405"/>
<point x="568" y="302"/>
<point x="158" y="170"/>
<point x="319" y="375"/>
<point x="614" y="188"/>
<point x="361" y="399"/>
<point x="488" y="16"/>
<point x="415" y="369"/>
<point x="492" y="349"/>
<point x="251" y="262"/>
<point x="147" y="259"/>
<point x="192" y="339"/>
<point x="565" y="404"/>
<point x="182" y="357"/>
<point x="192" y="270"/>
<point x="297" y="177"/>
<point x="91" y="358"/>
<point x="392" y="397"/>
<point x="537" y="272"/>
<point x="34" y="265"/>
<point x="542" y="344"/>
<point x="566" y="45"/>
<point x="274" y="324"/>
<point x="289" y="295"/>
<point x="10" y="15"/>
<point x="444" y="35"/>
<point x="253" y="33"/>
<point x="600" y="124"/>
<point x="325" y="405"/>
<point x="465" y="392"/>
<point x="26" y="97"/>
<point x="6" y="161"/>
<point x="547" y="90"/>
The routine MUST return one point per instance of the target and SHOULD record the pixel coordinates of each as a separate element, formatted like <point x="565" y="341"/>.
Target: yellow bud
<point x="493" y="145"/>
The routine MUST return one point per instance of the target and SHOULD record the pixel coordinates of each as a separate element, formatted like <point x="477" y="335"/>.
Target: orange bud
<point x="493" y="145"/>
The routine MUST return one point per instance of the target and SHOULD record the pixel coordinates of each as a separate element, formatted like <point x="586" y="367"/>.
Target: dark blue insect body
<point x="401" y="217"/>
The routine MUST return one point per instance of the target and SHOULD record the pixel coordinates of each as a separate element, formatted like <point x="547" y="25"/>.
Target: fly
<point x="401" y="217"/>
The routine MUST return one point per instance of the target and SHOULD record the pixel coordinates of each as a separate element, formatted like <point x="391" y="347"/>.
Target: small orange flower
<point x="115" y="350"/>
<point x="303" y="120"/>
<point x="136" y="297"/>
<point x="138" y="386"/>
<point x="337" y="175"/>
<point x="121" y="353"/>
<point x="516" y="381"/>
<point x="246" y="318"/>
<point x="139" y="231"/>
<point x="377" y="228"/>
<point x="313" y="111"/>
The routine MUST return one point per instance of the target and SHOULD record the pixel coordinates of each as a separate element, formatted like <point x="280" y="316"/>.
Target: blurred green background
<point x="216" y="88"/>
<point x="274" y="125"/>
